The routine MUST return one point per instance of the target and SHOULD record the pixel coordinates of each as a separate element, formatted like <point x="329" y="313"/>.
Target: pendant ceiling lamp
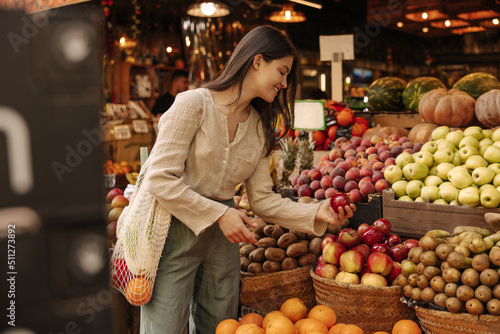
<point x="287" y="15"/>
<point x="208" y="9"/>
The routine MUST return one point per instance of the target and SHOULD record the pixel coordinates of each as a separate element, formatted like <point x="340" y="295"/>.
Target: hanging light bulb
<point x="287" y="15"/>
<point x="208" y="9"/>
<point x="425" y="15"/>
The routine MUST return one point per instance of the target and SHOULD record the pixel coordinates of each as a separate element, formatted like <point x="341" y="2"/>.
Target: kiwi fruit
<point x="470" y="277"/>
<point x="454" y="305"/>
<point x="483" y="293"/>
<point x="422" y="281"/>
<point x="437" y="283"/>
<point x="480" y="262"/>
<point x="474" y="306"/>
<point x="412" y="279"/>
<point x="464" y="293"/>
<point x="431" y="272"/>
<point x="489" y="277"/>
<point x="450" y="289"/>
<point x="440" y="299"/>
<point x="427" y="294"/>
<point x="493" y="306"/>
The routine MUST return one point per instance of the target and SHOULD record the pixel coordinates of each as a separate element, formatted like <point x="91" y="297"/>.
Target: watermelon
<point x="477" y="83"/>
<point x="385" y="94"/>
<point x="416" y="88"/>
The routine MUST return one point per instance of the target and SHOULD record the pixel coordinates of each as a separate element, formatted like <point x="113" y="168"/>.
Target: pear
<point x="460" y="177"/>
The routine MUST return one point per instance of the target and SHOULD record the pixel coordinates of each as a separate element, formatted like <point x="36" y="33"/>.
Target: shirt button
<point x="224" y="161"/>
<point x="227" y="148"/>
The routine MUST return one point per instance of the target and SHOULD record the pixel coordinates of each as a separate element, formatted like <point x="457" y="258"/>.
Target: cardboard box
<point x="414" y="219"/>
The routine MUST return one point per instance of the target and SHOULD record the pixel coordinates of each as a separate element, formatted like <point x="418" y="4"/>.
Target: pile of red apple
<point x="355" y="167"/>
<point x="115" y="203"/>
<point x="370" y="255"/>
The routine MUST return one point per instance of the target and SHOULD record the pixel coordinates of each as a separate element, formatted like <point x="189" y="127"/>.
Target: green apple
<point x="443" y="143"/>
<point x="413" y="188"/>
<point x="467" y="151"/>
<point x="496" y="180"/>
<point x="430" y="146"/>
<point x="405" y="198"/>
<point x="432" y="180"/>
<point x="485" y="186"/>
<point x="393" y="173"/>
<point x="403" y="159"/>
<point x="492" y="154"/>
<point x="432" y="170"/>
<point x="424" y="157"/>
<point x="443" y="169"/>
<point x="474" y="131"/>
<point x="495" y="136"/>
<point x="399" y="188"/>
<point x="419" y="199"/>
<point x="485" y="142"/>
<point x="482" y="175"/>
<point x="440" y="132"/>
<point x="440" y="201"/>
<point x="415" y="171"/>
<point x="455" y="202"/>
<point x="490" y="198"/>
<point x="469" y="196"/>
<point x="495" y="166"/>
<point x="475" y="161"/>
<point x="460" y="177"/>
<point x="469" y="140"/>
<point x="429" y="193"/>
<point x="455" y="137"/>
<point x="443" y="155"/>
<point x="448" y="191"/>
<point x="487" y="133"/>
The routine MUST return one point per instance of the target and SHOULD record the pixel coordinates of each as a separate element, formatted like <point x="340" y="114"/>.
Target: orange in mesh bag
<point x="141" y="233"/>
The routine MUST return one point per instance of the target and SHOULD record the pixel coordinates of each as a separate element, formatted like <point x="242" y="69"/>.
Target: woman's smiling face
<point x="272" y="77"/>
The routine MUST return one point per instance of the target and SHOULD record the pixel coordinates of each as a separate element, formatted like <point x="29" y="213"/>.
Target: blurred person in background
<point x="179" y="84"/>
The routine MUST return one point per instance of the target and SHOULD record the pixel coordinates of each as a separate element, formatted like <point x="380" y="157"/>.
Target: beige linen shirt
<point x="193" y="165"/>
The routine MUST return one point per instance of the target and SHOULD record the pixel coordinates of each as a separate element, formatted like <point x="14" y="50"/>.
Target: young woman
<point x="212" y="139"/>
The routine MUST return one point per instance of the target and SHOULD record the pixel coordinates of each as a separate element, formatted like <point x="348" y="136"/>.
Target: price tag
<point x="140" y="126"/>
<point x="309" y="115"/>
<point x="122" y="132"/>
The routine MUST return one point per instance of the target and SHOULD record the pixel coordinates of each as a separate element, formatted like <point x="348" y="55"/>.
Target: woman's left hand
<point x="326" y="213"/>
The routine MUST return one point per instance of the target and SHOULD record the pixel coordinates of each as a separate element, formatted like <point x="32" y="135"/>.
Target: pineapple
<point x="289" y="157"/>
<point x="306" y="154"/>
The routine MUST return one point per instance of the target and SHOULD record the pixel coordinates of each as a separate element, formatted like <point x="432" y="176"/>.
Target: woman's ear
<point x="257" y="60"/>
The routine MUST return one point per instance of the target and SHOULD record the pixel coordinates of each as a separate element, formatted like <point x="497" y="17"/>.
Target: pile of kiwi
<point x="452" y="273"/>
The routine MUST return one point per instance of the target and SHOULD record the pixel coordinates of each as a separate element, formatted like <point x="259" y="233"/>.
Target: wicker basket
<point x="371" y="308"/>
<point x="266" y="292"/>
<point x="441" y="322"/>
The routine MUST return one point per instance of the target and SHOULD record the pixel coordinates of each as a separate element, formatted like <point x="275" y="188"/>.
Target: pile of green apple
<point x="460" y="167"/>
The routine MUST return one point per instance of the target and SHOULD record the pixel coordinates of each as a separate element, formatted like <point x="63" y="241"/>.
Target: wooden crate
<point x="367" y="212"/>
<point x="401" y="119"/>
<point x="414" y="219"/>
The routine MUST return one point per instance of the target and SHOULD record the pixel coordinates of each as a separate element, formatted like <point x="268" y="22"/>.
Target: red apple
<point x="362" y="228"/>
<point x="320" y="260"/>
<point x="330" y="192"/>
<point x="396" y="270"/>
<point x="332" y="252"/>
<point x="383" y="225"/>
<point x="314" y="174"/>
<point x="365" y="270"/>
<point x="381" y="184"/>
<point x="399" y="252"/>
<point x="381" y="248"/>
<point x="352" y="261"/>
<point x="392" y="240"/>
<point x="372" y="236"/>
<point x="328" y="239"/>
<point x="339" y="200"/>
<point x="410" y="243"/>
<point x="112" y="194"/>
<point x="379" y="263"/>
<point x="373" y="279"/>
<point x="121" y="275"/>
<point x="363" y="249"/>
<point x="355" y="196"/>
<point x="346" y="277"/>
<point x="349" y="237"/>
<point x="326" y="270"/>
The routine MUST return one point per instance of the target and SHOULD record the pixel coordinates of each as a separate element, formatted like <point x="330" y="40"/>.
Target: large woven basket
<point x="371" y="308"/>
<point x="443" y="322"/>
<point x="264" y="293"/>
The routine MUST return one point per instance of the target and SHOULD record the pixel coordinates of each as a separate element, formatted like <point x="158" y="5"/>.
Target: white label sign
<point x="122" y="132"/>
<point x="140" y="126"/>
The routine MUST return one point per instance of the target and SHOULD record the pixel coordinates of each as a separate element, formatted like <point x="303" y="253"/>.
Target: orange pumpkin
<point x="384" y="132"/>
<point x="357" y="130"/>
<point x="345" y="117"/>
<point x="421" y="133"/>
<point x="488" y="108"/>
<point x="447" y="107"/>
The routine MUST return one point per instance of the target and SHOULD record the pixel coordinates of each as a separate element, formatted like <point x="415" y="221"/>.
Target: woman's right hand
<point x="232" y="224"/>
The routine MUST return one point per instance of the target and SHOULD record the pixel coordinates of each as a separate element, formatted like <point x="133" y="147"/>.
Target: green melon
<point x="416" y="88"/>
<point x="476" y="84"/>
<point x="385" y="94"/>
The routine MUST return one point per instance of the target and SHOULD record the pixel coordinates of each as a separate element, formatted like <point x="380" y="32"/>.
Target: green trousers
<point x="197" y="277"/>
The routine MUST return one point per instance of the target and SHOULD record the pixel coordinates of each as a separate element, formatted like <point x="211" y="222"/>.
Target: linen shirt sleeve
<point x="275" y="209"/>
<point x="165" y="180"/>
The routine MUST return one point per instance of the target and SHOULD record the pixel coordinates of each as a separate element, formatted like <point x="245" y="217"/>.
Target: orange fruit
<point x="380" y="332"/>
<point x="270" y="316"/>
<point x="280" y="325"/>
<point x="325" y="314"/>
<point x="227" y="326"/>
<point x="249" y="329"/>
<point x="252" y="318"/>
<point x="294" y="309"/>
<point x="335" y="329"/>
<point x="139" y="291"/>
<point x="406" y="326"/>
<point x="351" y="329"/>
<point x="310" y="325"/>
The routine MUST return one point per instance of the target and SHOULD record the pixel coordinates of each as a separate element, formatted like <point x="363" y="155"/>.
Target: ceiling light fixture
<point x="287" y="15"/>
<point x="308" y="3"/>
<point x="208" y="9"/>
